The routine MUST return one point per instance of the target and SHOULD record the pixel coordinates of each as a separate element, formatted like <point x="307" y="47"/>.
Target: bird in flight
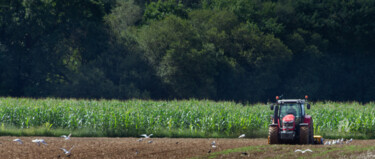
<point x="67" y="137"/>
<point x="303" y="151"/>
<point x="18" y="140"/>
<point x="145" y="135"/>
<point x="67" y="152"/>
<point x="242" y="136"/>
<point x="38" y="141"/>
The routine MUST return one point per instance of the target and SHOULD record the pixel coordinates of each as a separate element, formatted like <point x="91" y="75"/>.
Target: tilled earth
<point x="175" y="148"/>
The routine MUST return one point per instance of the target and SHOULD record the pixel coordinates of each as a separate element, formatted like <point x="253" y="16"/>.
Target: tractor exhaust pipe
<point x="275" y="115"/>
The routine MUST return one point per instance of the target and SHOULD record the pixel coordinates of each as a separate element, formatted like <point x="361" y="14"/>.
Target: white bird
<point x="67" y="152"/>
<point x="38" y="141"/>
<point x="328" y="143"/>
<point x="67" y="137"/>
<point x="150" y="141"/>
<point x="303" y="151"/>
<point x="18" y="140"/>
<point x="351" y="139"/>
<point x="213" y="144"/>
<point x="139" y="140"/>
<point x="146" y="136"/>
<point x="242" y="136"/>
<point x="333" y="142"/>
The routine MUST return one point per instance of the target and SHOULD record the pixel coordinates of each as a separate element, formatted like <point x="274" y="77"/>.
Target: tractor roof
<point x="291" y="101"/>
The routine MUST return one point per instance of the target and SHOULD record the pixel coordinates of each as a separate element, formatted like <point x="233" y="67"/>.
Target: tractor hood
<point x="288" y="118"/>
<point x="288" y="123"/>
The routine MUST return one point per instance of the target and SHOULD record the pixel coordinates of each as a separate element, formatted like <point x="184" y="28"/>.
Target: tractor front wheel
<point x="273" y="135"/>
<point x="304" y="135"/>
<point x="311" y="134"/>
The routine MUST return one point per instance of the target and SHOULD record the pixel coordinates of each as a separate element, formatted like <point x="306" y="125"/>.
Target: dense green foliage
<point x="185" y="118"/>
<point x="134" y="117"/>
<point x="241" y="50"/>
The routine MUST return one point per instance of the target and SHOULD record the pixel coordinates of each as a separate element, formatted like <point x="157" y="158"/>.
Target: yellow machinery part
<point x="318" y="139"/>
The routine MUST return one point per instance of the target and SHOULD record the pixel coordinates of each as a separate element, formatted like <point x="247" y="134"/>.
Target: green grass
<point x="176" y="118"/>
<point x="344" y="150"/>
<point x="287" y="151"/>
<point x="43" y="131"/>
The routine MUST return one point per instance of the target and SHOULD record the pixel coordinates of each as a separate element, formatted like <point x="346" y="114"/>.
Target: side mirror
<point x="308" y="106"/>
<point x="271" y="107"/>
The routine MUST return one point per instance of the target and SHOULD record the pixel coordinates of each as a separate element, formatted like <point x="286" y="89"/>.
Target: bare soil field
<point x="175" y="148"/>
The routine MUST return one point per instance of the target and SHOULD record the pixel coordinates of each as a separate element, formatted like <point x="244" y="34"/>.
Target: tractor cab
<point x="293" y="107"/>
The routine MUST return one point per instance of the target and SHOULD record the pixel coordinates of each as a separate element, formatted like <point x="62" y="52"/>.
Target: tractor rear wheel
<point x="304" y="135"/>
<point x="273" y="133"/>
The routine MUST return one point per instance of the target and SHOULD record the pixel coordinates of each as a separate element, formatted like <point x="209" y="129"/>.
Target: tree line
<point x="237" y="50"/>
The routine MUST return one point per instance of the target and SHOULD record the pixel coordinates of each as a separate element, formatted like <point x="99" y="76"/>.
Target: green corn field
<point x="177" y="118"/>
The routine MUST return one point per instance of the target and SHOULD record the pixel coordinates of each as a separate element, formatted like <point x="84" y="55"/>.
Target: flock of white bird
<point x="330" y="142"/>
<point x="41" y="141"/>
<point x="213" y="144"/>
<point x="68" y="152"/>
<point x="338" y="141"/>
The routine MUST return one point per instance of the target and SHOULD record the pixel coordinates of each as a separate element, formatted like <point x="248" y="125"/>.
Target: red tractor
<point x="290" y="124"/>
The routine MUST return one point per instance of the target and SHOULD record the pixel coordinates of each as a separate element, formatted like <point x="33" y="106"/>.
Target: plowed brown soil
<point x="171" y="148"/>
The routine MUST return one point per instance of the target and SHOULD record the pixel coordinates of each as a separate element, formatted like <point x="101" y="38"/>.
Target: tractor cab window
<point x="290" y="108"/>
